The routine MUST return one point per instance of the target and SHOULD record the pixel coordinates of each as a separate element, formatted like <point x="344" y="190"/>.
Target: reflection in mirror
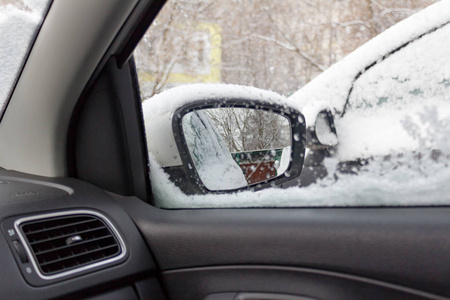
<point x="236" y="147"/>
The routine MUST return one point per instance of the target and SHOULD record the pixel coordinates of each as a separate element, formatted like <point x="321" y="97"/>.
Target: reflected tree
<point x="248" y="129"/>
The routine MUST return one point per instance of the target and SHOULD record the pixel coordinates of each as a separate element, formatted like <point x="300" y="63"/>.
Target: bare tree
<point x="274" y="45"/>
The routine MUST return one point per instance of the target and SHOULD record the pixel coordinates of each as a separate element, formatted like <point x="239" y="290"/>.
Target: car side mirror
<point x="323" y="134"/>
<point x="229" y="141"/>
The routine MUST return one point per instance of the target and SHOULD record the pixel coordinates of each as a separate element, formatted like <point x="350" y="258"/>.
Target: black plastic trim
<point x="36" y="277"/>
<point x="138" y="30"/>
<point x="106" y="141"/>
<point x="286" y="282"/>
<point x="138" y="266"/>
<point x="404" y="246"/>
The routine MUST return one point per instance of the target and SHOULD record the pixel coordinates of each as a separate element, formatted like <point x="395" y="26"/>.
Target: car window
<point x="408" y="89"/>
<point x="19" y="22"/>
<point x="416" y="73"/>
<point x="273" y="46"/>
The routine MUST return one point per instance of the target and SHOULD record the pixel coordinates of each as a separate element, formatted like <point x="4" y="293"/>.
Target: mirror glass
<point x="236" y="147"/>
<point x="324" y="132"/>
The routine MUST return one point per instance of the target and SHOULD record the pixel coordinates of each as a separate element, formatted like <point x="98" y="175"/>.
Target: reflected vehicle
<point x="211" y="157"/>
<point x="389" y="99"/>
<point x="235" y="147"/>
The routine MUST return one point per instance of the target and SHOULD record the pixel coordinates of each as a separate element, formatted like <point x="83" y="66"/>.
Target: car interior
<point x="79" y="219"/>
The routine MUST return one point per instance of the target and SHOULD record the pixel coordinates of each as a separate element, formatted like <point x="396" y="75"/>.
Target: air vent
<point x="65" y="243"/>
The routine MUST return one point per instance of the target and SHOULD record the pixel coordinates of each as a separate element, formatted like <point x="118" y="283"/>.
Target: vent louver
<point x="68" y="242"/>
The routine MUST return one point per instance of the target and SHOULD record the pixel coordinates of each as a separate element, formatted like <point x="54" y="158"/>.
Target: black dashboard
<point x="328" y="253"/>
<point x="128" y="273"/>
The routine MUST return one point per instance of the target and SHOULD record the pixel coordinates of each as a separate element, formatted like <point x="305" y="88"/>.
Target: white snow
<point x="17" y="29"/>
<point x="212" y="159"/>
<point x="400" y="105"/>
<point x="285" y="160"/>
<point x="324" y="133"/>
<point x="419" y="71"/>
<point x="37" y="6"/>
<point x="400" y="187"/>
<point x="407" y="83"/>
<point x="386" y="130"/>
<point x="330" y="89"/>
<point x="170" y="100"/>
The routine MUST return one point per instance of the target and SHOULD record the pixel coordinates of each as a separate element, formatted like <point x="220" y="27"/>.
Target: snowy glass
<point x="237" y="147"/>
<point x="402" y="104"/>
<point x="396" y="104"/>
<point x="19" y="23"/>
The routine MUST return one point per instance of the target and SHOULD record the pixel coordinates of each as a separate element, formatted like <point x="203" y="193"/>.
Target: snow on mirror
<point x="324" y="130"/>
<point x="236" y="147"/>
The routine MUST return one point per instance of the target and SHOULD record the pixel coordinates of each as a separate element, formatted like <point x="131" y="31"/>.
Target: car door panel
<point x="278" y="283"/>
<point x="400" y="246"/>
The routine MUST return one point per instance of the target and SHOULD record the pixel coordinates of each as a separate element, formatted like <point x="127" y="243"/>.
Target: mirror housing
<point x="163" y="115"/>
<point x="297" y="142"/>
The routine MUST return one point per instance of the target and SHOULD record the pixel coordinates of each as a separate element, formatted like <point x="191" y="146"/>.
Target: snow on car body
<point x="390" y="95"/>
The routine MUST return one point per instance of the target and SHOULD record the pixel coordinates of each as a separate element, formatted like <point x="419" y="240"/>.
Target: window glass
<point x="419" y="72"/>
<point x="283" y="46"/>
<point x="279" y="46"/>
<point x="19" y="23"/>
<point x="407" y="91"/>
